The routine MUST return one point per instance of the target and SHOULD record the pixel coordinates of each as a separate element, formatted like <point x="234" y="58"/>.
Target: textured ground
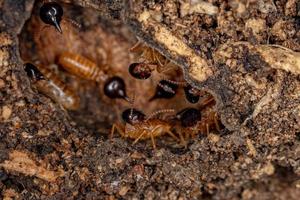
<point x="246" y="53"/>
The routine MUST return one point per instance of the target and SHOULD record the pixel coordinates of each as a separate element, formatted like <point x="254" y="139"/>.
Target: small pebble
<point x="123" y="191"/>
<point x="213" y="138"/>
<point x="6" y="112"/>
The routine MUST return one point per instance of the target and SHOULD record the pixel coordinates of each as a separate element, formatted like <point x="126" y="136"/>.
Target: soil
<point x="246" y="54"/>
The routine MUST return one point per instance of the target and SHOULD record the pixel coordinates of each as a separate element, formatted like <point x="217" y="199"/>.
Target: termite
<point x="138" y="127"/>
<point x="114" y="86"/>
<point x="82" y="67"/>
<point x="193" y="95"/>
<point x="52" y="86"/>
<point x="150" y="60"/>
<point x="166" y="89"/>
<point x="193" y="122"/>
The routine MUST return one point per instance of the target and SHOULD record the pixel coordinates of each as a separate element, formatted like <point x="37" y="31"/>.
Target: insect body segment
<point x="150" y="60"/>
<point x="140" y="70"/>
<point x="82" y="67"/>
<point x="33" y="72"/>
<point x="189" y="117"/>
<point x="52" y="86"/>
<point x="191" y="94"/>
<point x="115" y="87"/>
<point x="165" y="90"/>
<point x="133" y="116"/>
<point x="193" y="122"/>
<point x="51" y="13"/>
<point x="138" y="128"/>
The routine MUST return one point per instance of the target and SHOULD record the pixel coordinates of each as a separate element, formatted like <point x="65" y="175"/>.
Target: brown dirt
<point x="47" y="152"/>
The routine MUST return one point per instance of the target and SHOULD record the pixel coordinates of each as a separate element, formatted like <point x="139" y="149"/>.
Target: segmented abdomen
<point x="56" y="89"/>
<point x="80" y="66"/>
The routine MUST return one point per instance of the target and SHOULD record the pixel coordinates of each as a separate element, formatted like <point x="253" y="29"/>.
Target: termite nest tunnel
<point x="108" y="53"/>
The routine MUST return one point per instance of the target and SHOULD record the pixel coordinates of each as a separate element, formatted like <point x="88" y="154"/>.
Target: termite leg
<point x="119" y="129"/>
<point x="152" y="139"/>
<point x="182" y="140"/>
<point x="164" y="68"/>
<point x="136" y="47"/>
<point x="207" y="128"/>
<point x="140" y="136"/>
<point x="173" y="136"/>
<point x="74" y="23"/>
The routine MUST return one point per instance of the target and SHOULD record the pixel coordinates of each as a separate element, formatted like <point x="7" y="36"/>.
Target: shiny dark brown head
<point x="165" y="90"/>
<point x="191" y="94"/>
<point x="189" y="117"/>
<point x="32" y="72"/>
<point x="115" y="88"/>
<point x="140" y="70"/>
<point x="133" y="116"/>
<point x="51" y="13"/>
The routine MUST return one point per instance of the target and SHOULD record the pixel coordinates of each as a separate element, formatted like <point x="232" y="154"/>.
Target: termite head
<point x="165" y="90"/>
<point x="133" y="116"/>
<point x="51" y="13"/>
<point x="140" y="70"/>
<point x="189" y="117"/>
<point x="33" y="72"/>
<point x="191" y="94"/>
<point x="115" y="88"/>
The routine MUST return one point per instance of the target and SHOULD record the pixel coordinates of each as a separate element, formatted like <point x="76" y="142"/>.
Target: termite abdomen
<point x="189" y="117"/>
<point x="115" y="88"/>
<point x="81" y="67"/>
<point x="190" y="94"/>
<point x="133" y="116"/>
<point x="51" y="13"/>
<point x="165" y="90"/>
<point x="140" y="70"/>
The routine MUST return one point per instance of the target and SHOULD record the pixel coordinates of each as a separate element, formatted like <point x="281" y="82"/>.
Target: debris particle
<point x="252" y="150"/>
<point x="200" y="7"/>
<point x="20" y="162"/>
<point x="123" y="191"/>
<point x="6" y="112"/>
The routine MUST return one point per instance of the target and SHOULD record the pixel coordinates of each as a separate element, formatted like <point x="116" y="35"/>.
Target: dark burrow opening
<point x="110" y="46"/>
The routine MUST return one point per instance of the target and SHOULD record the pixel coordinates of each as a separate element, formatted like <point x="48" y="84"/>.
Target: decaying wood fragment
<point x="21" y="162"/>
<point x="199" y="69"/>
<point x="276" y="56"/>
<point x="200" y="7"/>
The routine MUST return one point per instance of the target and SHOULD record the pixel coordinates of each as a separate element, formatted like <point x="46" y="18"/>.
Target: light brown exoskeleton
<point x="82" y="67"/>
<point x="150" y="60"/>
<point x="138" y="128"/>
<point x="52" y="86"/>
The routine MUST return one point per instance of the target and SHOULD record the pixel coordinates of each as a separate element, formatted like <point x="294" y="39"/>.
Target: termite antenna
<point x="175" y="82"/>
<point x="74" y="23"/>
<point x="167" y="89"/>
<point x="159" y="112"/>
<point x="164" y="90"/>
<point x="132" y="103"/>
